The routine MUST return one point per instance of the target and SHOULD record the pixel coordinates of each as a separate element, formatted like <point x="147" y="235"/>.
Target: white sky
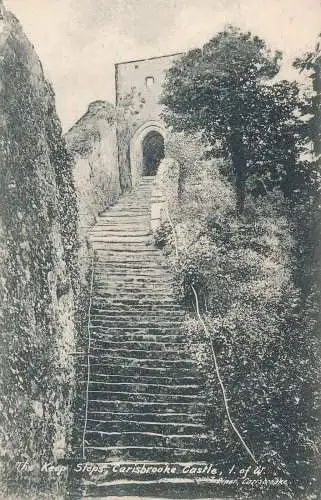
<point x="79" y="41"/>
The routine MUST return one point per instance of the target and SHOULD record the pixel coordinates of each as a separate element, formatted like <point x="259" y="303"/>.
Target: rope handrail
<point x="208" y="336"/>
<point x="88" y="355"/>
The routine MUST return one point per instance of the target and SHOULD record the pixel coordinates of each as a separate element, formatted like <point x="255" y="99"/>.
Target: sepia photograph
<point x="160" y="249"/>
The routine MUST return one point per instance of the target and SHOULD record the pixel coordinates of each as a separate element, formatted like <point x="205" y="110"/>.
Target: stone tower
<point x="141" y="131"/>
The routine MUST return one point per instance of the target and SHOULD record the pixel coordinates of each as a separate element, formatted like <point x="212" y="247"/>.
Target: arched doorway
<point x="136" y="147"/>
<point x="153" y="152"/>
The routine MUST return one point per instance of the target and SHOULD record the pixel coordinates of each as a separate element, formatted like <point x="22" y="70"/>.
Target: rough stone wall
<point x="38" y="268"/>
<point x="139" y="102"/>
<point x="93" y="145"/>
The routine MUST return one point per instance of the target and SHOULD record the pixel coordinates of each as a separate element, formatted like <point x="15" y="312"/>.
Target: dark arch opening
<point x="153" y="152"/>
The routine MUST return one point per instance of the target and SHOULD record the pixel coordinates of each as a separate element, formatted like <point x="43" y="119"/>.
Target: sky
<point x="79" y="41"/>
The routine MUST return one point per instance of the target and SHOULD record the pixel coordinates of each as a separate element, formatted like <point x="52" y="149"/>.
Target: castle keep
<point x="141" y="131"/>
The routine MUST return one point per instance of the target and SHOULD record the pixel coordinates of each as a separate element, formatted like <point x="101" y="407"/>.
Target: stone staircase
<point x="145" y="397"/>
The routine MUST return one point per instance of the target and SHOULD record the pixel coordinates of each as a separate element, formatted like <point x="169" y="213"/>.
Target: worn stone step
<point x="104" y="336"/>
<point x="144" y="320"/>
<point x="149" y="256"/>
<point x="130" y="287"/>
<point x="160" y="418"/>
<point x="194" y="379"/>
<point x="148" y="438"/>
<point x="126" y="213"/>
<point x="159" y="296"/>
<point x="129" y="272"/>
<point x="115" y="368"/>
<point x="132" y="344"/>
<point x="138" y="387"/>
<point x="127" y="281"/>
<point x="128" y="300"/>
<point x="121" y="232"/>
<point x="121" y="426"/>
<point x="169" y="454"/>
<point x="178" y="486"/>
<point x="170" y="355"/>
<point x="130" y="360"/>
<point x="143" y="397"/>
<point x="102" y="331"/>
<point x="138" y="312"/>
<point x="143" y="406"/>
<point x="131" y="322"/>
<point x="151" y="315"/>
<point x="142" y="251"/>
<point x="101" y="306"/>
<point x="129" y="276"/>
<point x="148" y="310"/>
<point x="133" y="264"/>
<point x="123" y="237"/>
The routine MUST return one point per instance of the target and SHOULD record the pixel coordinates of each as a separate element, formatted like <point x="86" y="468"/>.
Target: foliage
<point x="246" y="272"/>
<point x="238" y="109"/>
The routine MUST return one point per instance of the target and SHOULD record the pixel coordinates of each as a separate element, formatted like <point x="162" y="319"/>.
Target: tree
<point x="224" y="91"/>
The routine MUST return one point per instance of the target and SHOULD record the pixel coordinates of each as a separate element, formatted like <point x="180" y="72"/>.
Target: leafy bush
<point x="245" y="271"/>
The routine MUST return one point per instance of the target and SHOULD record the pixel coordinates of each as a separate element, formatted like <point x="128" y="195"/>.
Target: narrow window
<point x="149" y="80"/>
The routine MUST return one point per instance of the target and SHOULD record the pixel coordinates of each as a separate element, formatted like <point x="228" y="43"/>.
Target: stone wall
<point x="38" y="269"/>
<point x="93" y="145"/>
<point x="138" y="89"/>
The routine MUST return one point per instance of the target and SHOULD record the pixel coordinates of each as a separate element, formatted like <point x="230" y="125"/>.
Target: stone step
<point x="127" y="350"/>
<point x="179" y="355"/>
<point x="113" y="224"/>
<point x="178" y="486"/>
<point x="124" y="251"/>
<point x="148" y="438"/>
<point x="151" y="316"/>
<point x="148" y="379"/>
<point x="139" y="387"/>
<point x="141" y="289"/>
<point x="111" y="367"/>
<point x="139" y="453"/>
<point x="134" y="336"/>
<point x="126" y="257"/>
<point x="127" y="313"/>
<point x="125" y="213"/>
<point x="129" y="276"/>
<point x="143" y="406"/>
<point x="136" y="425"/>
<point x="160" y="418"/>
<point x="102" y="331"/>
<point x="129" y="360"/>
<point x="141" y="322"/>
<point x="157" y="308"/>
<point x="121" y="232"/>
<point x="114" y="285"/>
<point x="127" y="299"/>
<point x="129" y="269"/>
<point x="147" y="296"/>
<point x="132" y="344"/>
<point x="142" y="397"/>
<point x="126" y="241"/>
<point x="122" y="223"/>
<point x="135" y="274"/>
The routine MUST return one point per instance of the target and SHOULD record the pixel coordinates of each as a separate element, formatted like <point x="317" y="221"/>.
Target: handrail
<point x="88" y="354"/>
<point x="208" y="336"/>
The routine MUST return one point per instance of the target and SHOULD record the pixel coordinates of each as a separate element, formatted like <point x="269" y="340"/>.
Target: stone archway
<point x="152" y="131"/>
<point x="153" y="152"/>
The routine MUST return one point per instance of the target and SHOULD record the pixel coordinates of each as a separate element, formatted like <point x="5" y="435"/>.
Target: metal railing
<point x="214" y="357"/>
<point x="92" y="274"/>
